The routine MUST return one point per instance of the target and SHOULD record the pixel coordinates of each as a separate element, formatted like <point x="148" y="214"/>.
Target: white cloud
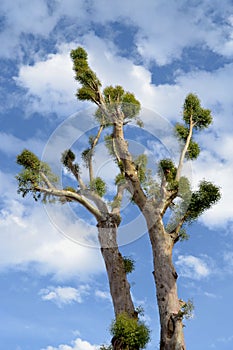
<point x="103" y="295"/>
<point x="12" y="145"/>
<point x="50" y="84"/>
<point x="165" y="40"/>
<point x="64" y="295"/>
<point x="29" y="238"/>
<point x="162" y="30"/>
<point x="193" y="267"/>
<point x="78" y="344"/>
<point x="42" y="18"/>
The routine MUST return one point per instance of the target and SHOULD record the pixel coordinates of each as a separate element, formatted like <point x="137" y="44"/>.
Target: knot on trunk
<point x="109" y="221"/>
<point x="170" y="327"/>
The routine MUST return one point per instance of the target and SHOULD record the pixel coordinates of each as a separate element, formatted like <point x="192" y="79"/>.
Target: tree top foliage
<point x="114" y="105"/>
<point x="34" y="174"/>
<point x="193" y="112"/>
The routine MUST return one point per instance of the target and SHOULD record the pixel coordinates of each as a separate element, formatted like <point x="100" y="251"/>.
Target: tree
<point x="154" y="196"/>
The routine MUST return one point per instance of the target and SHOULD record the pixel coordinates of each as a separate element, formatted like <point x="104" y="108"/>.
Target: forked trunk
<point x="172" y="337"/>
<point x="114" y="262"/>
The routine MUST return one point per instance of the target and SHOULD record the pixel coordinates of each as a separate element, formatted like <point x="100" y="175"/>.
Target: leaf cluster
<point x="192" y="110"/>
<point x="182" y="132"/>
<point x="67" y="159"/>
<point x="168" y="170"/>
<point x="85" y="76"/>
<point x="29" y="178"/>
<point x="200" y="118"/>
<point x="187" y="309"/>
<point x="207" y="195"/>
<point x="141" y="167"/>
<point x="129" y="264"/>
<point x="117" y="100"/>
<point x="130" y="333"/>
<point x="99" y="186"/>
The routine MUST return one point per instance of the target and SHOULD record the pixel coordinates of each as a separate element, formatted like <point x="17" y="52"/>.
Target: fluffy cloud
<point x="163" y="42"/>
<point x="192" y="267"/>
<point x="64" y="295"/>
<point x="103" y="295"/>
<point x="78" y="344"/>
<point x="50" y="84"/>
<point x="29" y="238"/>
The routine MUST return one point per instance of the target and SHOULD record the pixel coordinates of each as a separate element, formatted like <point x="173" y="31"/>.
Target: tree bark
<point x="114" y="262"/>
<point x="165" y="276"/>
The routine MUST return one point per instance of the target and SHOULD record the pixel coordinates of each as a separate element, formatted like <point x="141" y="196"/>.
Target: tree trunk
<point x="118" y="283"/>
<point x="172" y="337"/>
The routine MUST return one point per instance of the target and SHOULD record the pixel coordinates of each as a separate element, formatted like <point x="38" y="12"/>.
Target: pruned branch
<point x="46" y="180"/>
<point x="121" y="187"/>
<point x="185" y="149"/>
<point x="73" y="196"/>
<point x="101" y="205"/>
<point x="91" y="153"/>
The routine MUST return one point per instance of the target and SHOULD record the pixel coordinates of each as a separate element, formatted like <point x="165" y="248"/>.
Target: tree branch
<point x="46" y="180"/>
<point x="73" y="196"/>
<point x="101" y="205"/>
<point x="185" y="149"/>
<point x="90" y="160"/>
<point x="118" y="198"/>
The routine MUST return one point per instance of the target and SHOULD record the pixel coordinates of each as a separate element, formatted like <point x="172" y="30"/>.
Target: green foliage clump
<point x="129" y="264"/>
<point x="29" y="179"/>
<point x="193" y="149"/>
<point x="186" y="310"/>
<point x="202" y="199"/>
<point x="85" y="76"/>
<point x="117" y="99"/>
<point x="99" y="186"/>
<point x="130" y="333"/>
<point x="120" y="179"/>
<point x="192" y="109"/>
<point x="29" y="160"/>
<point x="141" y="167"/>
<point x="86" y="156"/>
<point x="181" y="131"/>
<point x="113" y="94"/>
<point x="197" y="117"/>
<point x="67" y="158"/>
<point x="167" y="169"/>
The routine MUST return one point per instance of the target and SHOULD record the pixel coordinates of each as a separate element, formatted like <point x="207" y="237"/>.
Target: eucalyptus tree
<point x="170" y="191"/>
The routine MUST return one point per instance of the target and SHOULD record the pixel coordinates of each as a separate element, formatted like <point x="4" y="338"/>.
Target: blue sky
<point x="54" y="292"/>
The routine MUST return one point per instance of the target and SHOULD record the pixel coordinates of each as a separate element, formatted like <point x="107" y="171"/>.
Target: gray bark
<point x="165" y="276"/>
<point x="118" y="283"/>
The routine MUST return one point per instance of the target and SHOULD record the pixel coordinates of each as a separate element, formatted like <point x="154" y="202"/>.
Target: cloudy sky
<point x="54" y="292"/>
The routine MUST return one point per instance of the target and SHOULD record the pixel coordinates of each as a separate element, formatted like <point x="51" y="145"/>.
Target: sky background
<point x="54" y="292"/>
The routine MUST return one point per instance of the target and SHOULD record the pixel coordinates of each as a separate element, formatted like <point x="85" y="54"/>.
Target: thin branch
<point x="118" y="198"/>
<point x="101" y="205"/>
<point x="73" y="196"/>
<point x="185" y="149"/>
<point x="90" y="161"/>
<point x="46" y="180"/>
<point x="77" y="175"/>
